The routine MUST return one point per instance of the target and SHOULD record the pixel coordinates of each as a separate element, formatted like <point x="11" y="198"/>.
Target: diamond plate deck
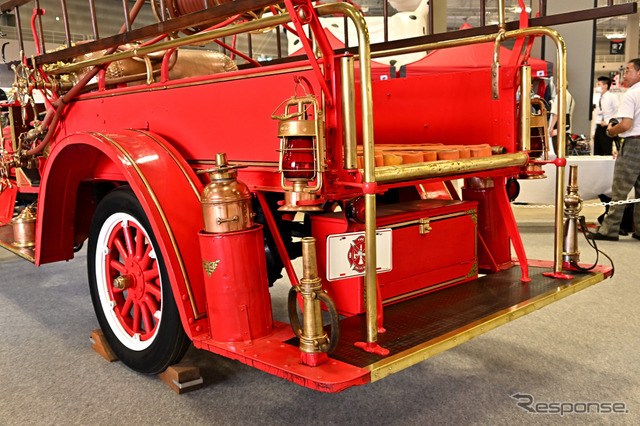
<point x="421" y="327"/>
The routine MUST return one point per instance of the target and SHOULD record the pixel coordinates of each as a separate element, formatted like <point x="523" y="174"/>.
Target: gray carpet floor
<point x="581" y="349"/>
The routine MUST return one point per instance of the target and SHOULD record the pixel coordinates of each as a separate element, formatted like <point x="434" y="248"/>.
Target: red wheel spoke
<point x="139" y="244"/>
<point x="120" y="247"/>
<point x="146" y="258"/>
<point x="151" y="303"/>
<point x="150" y="275"/>
<point x="118" y="266"/>
<point x="128" y="239"/>
<point x="126" y="308"/>
<point x="154" y="290"/>
<point x="136" y="318"/>
<point x="146" y="318"/>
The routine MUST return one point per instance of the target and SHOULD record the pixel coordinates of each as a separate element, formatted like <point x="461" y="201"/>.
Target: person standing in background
<point x="607" y="109"/>
<point x="626" y="172"/>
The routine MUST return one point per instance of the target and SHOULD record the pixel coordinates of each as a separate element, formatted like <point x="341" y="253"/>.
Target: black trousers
<point x="602" y="144"/>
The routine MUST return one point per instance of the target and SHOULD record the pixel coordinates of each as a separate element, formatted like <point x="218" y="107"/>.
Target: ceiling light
<point x="615" y="34"/>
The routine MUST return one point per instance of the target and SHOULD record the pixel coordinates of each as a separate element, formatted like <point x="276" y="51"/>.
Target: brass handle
<point x="329" y="346"/>
<point x="233" y="219"/>
<point x="331" y="342"/>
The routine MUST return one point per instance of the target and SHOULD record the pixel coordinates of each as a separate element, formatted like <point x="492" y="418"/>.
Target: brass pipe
<point x="501" y="15"/>
<point x="495" y="65"/>
<point x="448" y="167"/>
<point x="178" y="42"/>
<point x="348" y="112"/>
<point x="371" y="295"/>
<point x="561" y="51"/>
<point x="435" y="45"/>
<point x="525" y="108"/>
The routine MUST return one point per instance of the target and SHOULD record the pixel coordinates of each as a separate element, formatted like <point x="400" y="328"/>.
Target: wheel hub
<point x="123" y="282"/>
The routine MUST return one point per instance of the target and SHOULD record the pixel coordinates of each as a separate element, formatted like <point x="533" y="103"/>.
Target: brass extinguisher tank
<point x="226" y="202"/>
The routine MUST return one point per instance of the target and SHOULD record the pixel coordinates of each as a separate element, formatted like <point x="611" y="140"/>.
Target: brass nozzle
<point x="309" y="260"/>
<point x="573" y="177"/>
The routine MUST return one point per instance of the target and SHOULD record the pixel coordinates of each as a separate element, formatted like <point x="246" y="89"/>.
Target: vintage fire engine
<point x="196" y="179"/>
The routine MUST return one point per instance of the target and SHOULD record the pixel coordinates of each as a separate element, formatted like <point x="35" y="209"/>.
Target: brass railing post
<point x="525" y="108"/>
<point x="561" y="154"/>
<point x="364" y="56"/>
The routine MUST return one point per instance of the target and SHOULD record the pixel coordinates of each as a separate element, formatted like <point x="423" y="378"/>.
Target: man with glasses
<point x="626" y="173"/>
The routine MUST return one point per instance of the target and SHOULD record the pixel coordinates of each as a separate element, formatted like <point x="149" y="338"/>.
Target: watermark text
<point x="528" y="403"/>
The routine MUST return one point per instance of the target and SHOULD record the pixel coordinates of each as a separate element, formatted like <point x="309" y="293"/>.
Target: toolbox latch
<point x="424" y="227"/>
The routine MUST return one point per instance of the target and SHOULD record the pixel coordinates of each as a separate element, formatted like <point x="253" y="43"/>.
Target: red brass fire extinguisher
<point x="233" y="259"/>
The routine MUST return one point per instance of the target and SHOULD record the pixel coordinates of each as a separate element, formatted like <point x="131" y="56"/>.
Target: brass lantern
<point x="301" y="153"/>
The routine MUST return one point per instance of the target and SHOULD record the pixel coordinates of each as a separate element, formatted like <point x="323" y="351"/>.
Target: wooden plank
<point x="9" y="5"/>
<point x="211" y="15"/>
<point x="203" y="17"/>
<point x="545" y="21"/>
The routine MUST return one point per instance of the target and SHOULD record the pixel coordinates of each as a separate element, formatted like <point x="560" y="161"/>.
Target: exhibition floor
<point x="581" y="349"/>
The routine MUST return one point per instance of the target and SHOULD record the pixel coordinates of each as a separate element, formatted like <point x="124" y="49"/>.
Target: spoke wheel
<point x="131" y="293"/>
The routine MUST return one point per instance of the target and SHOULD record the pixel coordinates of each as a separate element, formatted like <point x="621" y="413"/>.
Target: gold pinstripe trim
<point x="172" y="237"/>
<point x="184" y="171"/>
<point x="412" y="356"/>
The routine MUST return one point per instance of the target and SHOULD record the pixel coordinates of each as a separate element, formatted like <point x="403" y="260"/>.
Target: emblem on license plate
<point x="355" y="255"/>
<point x="346" y="257"/>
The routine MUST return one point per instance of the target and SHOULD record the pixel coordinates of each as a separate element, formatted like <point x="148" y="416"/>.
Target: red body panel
<point x="199" y="119"/>
<point x="449" y="108"/>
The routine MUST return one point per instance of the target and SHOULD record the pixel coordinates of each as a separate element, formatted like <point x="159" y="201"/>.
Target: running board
<point x="6" y="242"/>
<point x="416" y="329"/>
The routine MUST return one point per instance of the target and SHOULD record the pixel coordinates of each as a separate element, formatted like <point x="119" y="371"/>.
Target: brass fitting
<point x="123" y="282"/>
<point x="313" y="338"/>
<point x="572" y="208"/>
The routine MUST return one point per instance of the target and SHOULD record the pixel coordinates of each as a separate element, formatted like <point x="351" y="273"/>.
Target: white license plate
<point x="346" y="256"/>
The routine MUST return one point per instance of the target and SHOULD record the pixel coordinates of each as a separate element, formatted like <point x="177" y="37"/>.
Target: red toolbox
<point x="432" y="245"/>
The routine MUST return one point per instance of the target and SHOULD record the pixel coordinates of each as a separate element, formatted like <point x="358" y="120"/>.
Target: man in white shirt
<point x="553" y="120"/>
<point x="607" y="107"/>
<point x="626" y="173"/>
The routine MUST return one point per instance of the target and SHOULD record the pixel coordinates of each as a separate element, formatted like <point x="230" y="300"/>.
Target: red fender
<point x="163" y="182"/>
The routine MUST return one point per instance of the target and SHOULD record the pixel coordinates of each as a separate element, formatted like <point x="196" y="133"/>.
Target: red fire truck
<point x="195" y="179"/>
